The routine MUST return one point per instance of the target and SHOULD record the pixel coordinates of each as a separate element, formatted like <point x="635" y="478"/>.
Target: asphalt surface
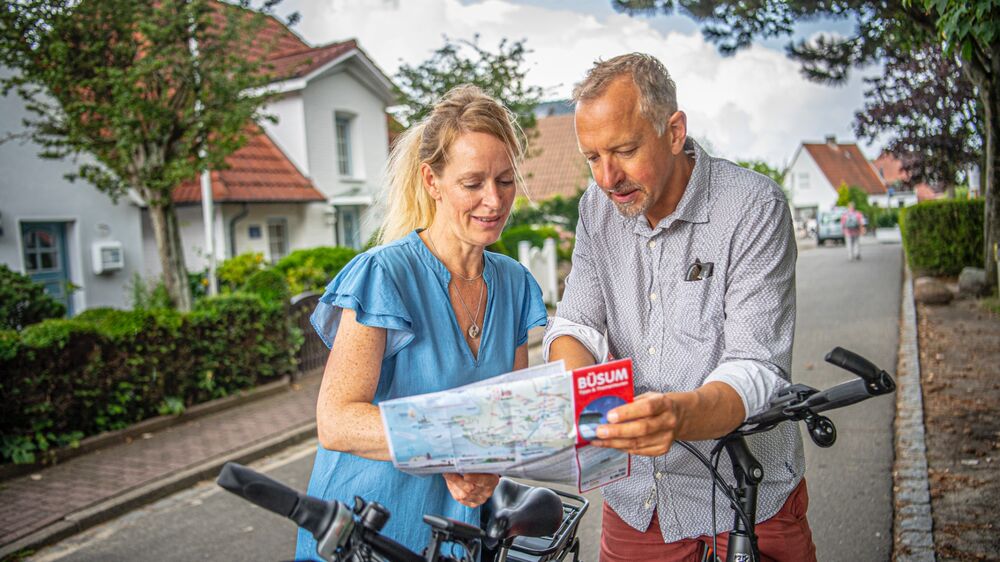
<point x="851" y="304"/>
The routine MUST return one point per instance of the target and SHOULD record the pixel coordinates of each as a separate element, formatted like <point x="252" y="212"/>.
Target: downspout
<point x="232" y="229"/>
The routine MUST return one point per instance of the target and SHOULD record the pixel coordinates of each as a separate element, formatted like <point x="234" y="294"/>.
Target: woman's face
<point x="475" y="189"/>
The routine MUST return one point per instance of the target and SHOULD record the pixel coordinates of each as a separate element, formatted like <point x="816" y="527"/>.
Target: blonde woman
<point x="427" y="310"/>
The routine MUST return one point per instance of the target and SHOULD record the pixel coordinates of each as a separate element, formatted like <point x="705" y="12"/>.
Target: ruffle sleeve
<point x="365" y="287"/>
<point x="533" y="312"/>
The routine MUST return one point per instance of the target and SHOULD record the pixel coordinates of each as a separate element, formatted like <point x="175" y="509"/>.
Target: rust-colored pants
<point x="783" y="538"/>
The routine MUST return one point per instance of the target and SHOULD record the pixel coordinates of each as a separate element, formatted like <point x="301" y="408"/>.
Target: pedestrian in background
<point x="853" y="224"/>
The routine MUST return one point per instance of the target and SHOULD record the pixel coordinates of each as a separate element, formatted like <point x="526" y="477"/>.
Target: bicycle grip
<point x="309" y="513"/>
<point x="854" y="363"/>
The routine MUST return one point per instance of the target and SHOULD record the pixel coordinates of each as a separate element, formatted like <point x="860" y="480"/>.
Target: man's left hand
<point x="648" y="426"/>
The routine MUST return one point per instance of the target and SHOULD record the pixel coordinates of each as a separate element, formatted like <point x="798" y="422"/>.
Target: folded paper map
<point x="535" y="423"/>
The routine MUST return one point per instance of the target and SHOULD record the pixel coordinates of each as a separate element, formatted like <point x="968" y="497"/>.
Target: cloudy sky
<point x="751" y="105"/>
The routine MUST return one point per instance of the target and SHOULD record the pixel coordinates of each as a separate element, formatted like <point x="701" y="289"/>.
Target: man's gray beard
<point x="635" y="208"/>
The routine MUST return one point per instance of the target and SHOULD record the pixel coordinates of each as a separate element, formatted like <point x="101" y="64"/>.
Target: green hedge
<point x="24" y="302"/>
<point x="313" y="269"/>
<point x="941" y="237"/>
<point x="105" y="369"/>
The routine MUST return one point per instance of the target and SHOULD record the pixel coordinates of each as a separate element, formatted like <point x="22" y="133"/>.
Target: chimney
<point x="831" y="140"/>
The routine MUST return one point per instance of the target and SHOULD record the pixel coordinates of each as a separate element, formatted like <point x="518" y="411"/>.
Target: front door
<point x="45" y="259"/>
<point x="350" y="227"/>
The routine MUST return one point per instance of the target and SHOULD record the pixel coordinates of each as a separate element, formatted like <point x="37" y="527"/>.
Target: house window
<point x="803" y="183"/>
<point x="344" y="158"/>
<point x="277" y="238"/>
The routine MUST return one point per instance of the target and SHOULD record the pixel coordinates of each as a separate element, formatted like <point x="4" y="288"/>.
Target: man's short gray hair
<point x="657" y="93"/>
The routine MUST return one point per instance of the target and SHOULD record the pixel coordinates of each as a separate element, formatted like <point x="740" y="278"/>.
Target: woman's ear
<point x="429" y="181"/>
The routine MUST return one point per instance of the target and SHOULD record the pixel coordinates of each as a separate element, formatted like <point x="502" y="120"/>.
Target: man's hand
<point x="471" y="490"/>
<point x="650" y="425"/>
<point x="647" y="426"/>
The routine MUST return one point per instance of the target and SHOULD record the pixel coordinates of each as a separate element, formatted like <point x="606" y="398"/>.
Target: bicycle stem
<point x="748" y="473"/>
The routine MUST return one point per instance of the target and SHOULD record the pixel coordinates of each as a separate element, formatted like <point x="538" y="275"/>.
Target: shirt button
<point x="652" y="351"/>
<point x="652" y="296"/>
<point x="652" y="244"/>
<point x="658" y="475"/>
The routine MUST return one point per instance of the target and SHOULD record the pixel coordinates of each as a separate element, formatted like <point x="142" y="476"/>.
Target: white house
<point x="310" y="179"/>
<point x="83" y="247"/>
<point x="891" y="172"/>
<point x="819" y="169"/>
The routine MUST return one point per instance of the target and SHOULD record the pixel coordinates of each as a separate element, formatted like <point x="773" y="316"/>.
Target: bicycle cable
<point x="723" y="485"/>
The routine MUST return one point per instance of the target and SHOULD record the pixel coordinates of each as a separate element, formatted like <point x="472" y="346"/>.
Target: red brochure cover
<point x="597" y="390"/>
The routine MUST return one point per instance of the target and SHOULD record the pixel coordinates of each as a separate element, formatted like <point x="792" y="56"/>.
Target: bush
<point x="883" y="218"/>
<point x="941" y="237"/>
<point x="234" y="272"/>
<point x="106" y="369"/>
<point x="24" y="302"/>
<point x="269" y="285"/>
<point x="313" y="269"/>
<point x="146" y="297"/>
<point x="536" y="235"/>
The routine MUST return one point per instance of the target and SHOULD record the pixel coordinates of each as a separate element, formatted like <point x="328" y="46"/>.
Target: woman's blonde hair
<point x="464" y="109"/>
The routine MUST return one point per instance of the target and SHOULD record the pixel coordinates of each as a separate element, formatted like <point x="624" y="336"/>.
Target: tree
<point x="883" y="29"/>
<point x="152" y="92"/>
<point x="852" y="194"/>
<point x="930" y="107"/>
<point x="500" y="74"/>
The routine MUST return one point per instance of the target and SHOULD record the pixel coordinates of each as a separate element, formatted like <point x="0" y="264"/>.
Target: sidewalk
<point x="58" y="501"/>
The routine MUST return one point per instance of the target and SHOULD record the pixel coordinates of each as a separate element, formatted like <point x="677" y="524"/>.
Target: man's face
<point x="629" y="161"/>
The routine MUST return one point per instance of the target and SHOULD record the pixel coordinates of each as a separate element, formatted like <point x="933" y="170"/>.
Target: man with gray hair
<point x="686" y="264"/>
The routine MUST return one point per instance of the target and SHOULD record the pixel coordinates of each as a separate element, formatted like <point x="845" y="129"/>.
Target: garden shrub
<point x="941" y="237"/>
<point x="24" y="302"/>
<point x="314" y="268"/>
<point x="269" y="285"/>
<point x="536" y="235"/>
<point x="234" y="272"/>
<point x="65" y="379"/>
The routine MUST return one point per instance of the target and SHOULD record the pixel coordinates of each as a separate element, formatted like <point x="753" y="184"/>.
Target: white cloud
<point x="751" y="105"/>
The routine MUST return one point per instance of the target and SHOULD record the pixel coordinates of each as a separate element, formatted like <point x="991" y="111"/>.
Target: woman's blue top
<point x="403" y="288"/>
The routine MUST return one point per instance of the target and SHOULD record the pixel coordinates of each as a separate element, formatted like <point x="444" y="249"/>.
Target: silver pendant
<point x="473" y="331"/>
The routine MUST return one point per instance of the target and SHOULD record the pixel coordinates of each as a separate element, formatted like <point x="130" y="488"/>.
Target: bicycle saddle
<point x="517" y="510"/>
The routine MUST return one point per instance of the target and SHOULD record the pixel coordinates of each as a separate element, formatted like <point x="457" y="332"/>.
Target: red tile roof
<point x="843" y="163"/>
<point x="892" y="172"/>
<point x="288" y="54"/>
<point x="554" y="165"/>
<point x="257" y="173"/>
<point x="300" y="63"/>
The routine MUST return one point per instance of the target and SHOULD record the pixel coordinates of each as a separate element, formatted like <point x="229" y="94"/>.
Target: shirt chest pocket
<point x="695" y="310"/>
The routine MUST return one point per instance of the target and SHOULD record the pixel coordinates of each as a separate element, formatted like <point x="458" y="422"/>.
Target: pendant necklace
<point x="474" y="329"/>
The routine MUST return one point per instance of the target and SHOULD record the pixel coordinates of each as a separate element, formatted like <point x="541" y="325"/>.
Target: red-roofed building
<point x="818" y="169"/>
<point x="891" y="171"/>
<point x="308" y="180"/>
<point x="554" y="165"/>
<point x="311" y="178"/>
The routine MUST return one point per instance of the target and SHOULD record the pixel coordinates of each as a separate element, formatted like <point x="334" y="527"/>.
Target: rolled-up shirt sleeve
<point x="581" y="313"/>
<point x="759" y="307"/>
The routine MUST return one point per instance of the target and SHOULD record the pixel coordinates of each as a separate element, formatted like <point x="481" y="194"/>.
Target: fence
<point x="313" y="353"/>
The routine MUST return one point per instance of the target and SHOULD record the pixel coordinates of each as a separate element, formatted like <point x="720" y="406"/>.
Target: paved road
<point x="855" y="305"/>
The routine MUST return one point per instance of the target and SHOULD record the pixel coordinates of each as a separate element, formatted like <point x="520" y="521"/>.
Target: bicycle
<point x="796" y="402"/>
<point x="530" y="524"/>
<point x="526" y="524"/>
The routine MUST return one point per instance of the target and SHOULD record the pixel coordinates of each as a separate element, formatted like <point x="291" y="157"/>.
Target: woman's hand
<point x="471" y="490"/>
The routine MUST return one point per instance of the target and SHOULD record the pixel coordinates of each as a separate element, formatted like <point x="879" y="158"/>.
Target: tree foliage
<point x="151" y="92"/>
<point x="500" y="74"/>
<point x="929" y="109"/>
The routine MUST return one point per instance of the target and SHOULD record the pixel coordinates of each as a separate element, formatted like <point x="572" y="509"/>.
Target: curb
<point x="99" y="441"/>
<point x="147" y="493"/>
<point x="913" y="527"/>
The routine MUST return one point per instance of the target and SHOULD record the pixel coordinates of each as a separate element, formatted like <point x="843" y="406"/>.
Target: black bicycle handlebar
<point x="311" y="514"/>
